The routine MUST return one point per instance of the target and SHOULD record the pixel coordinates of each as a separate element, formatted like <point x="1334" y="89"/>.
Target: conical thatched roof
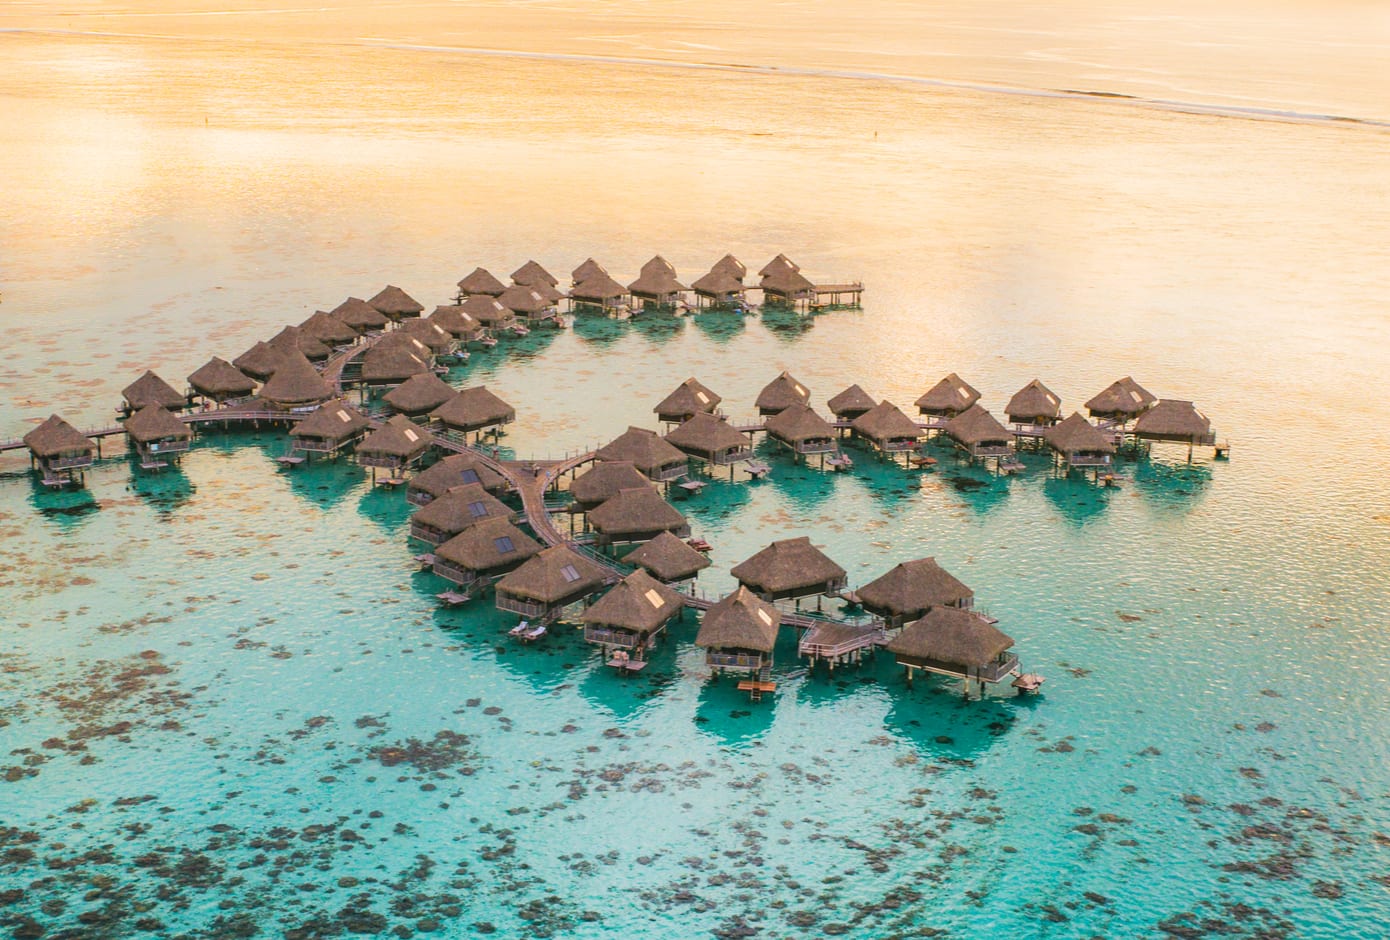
<point x="951" y="395"/>
<point x="603" y="481"/>
<point x="55" y="437"/>
<point x="420" y="393"/>
<point x="259" y="362"/>
<point x="462" y="507"/>
<point x="557" y="574"/>
<point x="689" y="398"/>
<point x="639" y="603"/>
<point x="1171" y="419"/>
<point x="495" y="543"/>
<point x="886" y="421"/>
<point x="481" y="281"/>
<point x="912" y="588"/>
<point x="549" y="292"/>
<point x="334" y="420"/>
<point x="599" y="287"/>
<point x="778" y="265"/>
<point x="407" y="340"/>
<point x="716" y="284"/>
<point x="637" y="510"/>
<point x="220" y="379"/>
<point x="975" y="425"/>
<point x="706" y="434"/>
<point x="668" y="558"/>
<point x="293" y="338"/>
<point x="953" y="637"/>
<point x="474" y="408"/>
<point x="456" y="321"/>
<point x="657" y="277"/>
<point x="730" y="266"/>
<point x="532" y="273"/>
<point x="1076" y="434"/>
<point x="589" y="269"/>
<point x="642" y="448"/>
<point x="328" y="329"/>
<point x="1121" y="398"/>
<point x="458" y="470"/>
<point x="1034" y="400"/>
<point x="851" y="403"/>
<point x="799" y="423"/>
<point x="360" y="315"/>
<point x="782" y="392"/>
<point x="740" y="621"/>
<point x="781" y="276"/>
<point x="396" y="303"/>
<point x="391" y="362"/>
<point x="150" y="389"/>
<point x="295" y="382"/>
<point x="522" y="299"/>
<point x="156" y="423"/>
<point x="487" y="310"/>
<point x="787" y="565"/>
<point x="399" y="437"/>
<point x="430" y="333"/>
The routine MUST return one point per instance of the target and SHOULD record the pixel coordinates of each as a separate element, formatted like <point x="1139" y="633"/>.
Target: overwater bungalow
<point x="458" y="323"/>
<point x="532" y="274"/>
<point x="295" y="383"/>
<point x="396" y="304"/>
<point x="958" y="643"/>
<point x="600" y="290"/>
<point x="723" y="285"/>
<point x="1176" y="421"/>
<point x="528" y="303"/>
<point x="259" y="362"/>
<point x="59" y="451"/>
<point x="631" y="616"/>
<point x="912" y="589"/>
<point x="396" y="446"/>
<point x="781" y="393"/>
<point x="150" y="389"/>
<point x="459" y="508"/>
<point x="668" y="559"/>
<point x="636" y="514"/>
<point x="790" y="569"/>
<point x="851" y="403"/>
<point x="392" y="364"/>
<point x="980" y="434"/>
<point x="603" y="481"/>
<point x="454" y="470"/>
<point x="488" y="312"/>
<point x="657" y="286"/>
<point x="547" y="583"/>
<point x="292" y="338"/>
<point x="360" y="315"/>
<point x="738" y="634"/>
<point x="487" y="550"/>
<point x="419" y="395"/>
<point x="219" y="381"/>
<point x="782" y="282"/>
<point x="712" y="439"/>
<point x="1034" y="408"/>
<point x="158" y="436"/>
<point x="802" y="430"/>
<point x="1079" y="444"/>
<point x="328" y="329"/>
<point x="947" y="398"/>
<point x="408" y="341"/>
<point x="474" y="409"/>
<point x="689" y="399"/>
<point x="1122" y="401"/>
<point x="589" y="269"/>
<point x="658" y="460"/>
<point x="887" y="428"/>
<point x="433" y="336"/>
<point x="333" y="426"/>
<point x="480" y="281"/>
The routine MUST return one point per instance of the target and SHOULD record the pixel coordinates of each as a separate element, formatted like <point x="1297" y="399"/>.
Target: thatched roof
<point x="494" y="543"/>
<point x="668" y="558"/>
<point x="886" y="421"/>
<point x="706" y="434"/>
<point x="327" y="328"/>
<point x="458" y="470"/>
<point x="912" y="588"/>
<point x="851" y="403"/>
<point x="799" y="423"/>
<point x="532" y="273"/>
<point x="951" y="395"/>
<point x="360" y="315"/>
<point x="150" y="389"/>
<point x="408" y="341"/>
<point x="456" y="321"/>
<point x="642" y="448"/>
<point x="599" y="287"/>
<point x="781" y="276"/>
<point x="259" y="362"/>
<point x="975" y="425"/>
<point x="481" y="281"/>
<point x="334" y="420"/>
<point x="474" y="408"/>
<point x="556" y="574"/>
<point x="156" y="423"/>
<point x="731" y="266"/>
<point x="637" y="510"/>
<point x="396" y="303"/>
<point x="1124" y="397"/>
<point x="522" y="299"/>
<point x="293" y="338"/>
<point x="549" y="292"/>
<point x="605" y="480"/>
<point x="1076" y="434"/>
<point x="782" y="392"/>
<point x="422" y="392"/>
<point x="461" y="507"/>
<point x="391" y="362"/>
<point x="639" y="603"/>
<point x="399" y="437"/>
<point x="589" y="269"/>
<point x="740" y="621"/>
<point x="689" y="398"/>
<point x="787" y="565"/>
<point x="716" y="283"/>
<point x="951" y="636"/>
<point x="220" y="379"/>
<point x="1034" y="400"/>
<point x="295" y="382"/>
<point x="487" y="310"/>
<point x="55" y="437"/>
<point x="657" y="277"/>
<point x="778" y="265"/>
<point x="430" y="333"/>
<point x="1172" y="419"/>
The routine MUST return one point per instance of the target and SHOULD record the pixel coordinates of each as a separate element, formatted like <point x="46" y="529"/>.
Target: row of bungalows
<point x="532" y="296"/>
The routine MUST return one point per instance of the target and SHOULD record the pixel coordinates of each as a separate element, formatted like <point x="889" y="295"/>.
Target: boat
<point x="923" y="461"/>
<point x="519" y="330"/>
<point x="1028" y="682"/>
<point x="700" y="545"/>
<point x="757" y="469"/>
<point x="840" y="461"/>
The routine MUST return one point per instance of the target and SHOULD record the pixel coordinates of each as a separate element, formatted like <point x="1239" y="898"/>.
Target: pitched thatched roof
<point x="851" y="403"/>
<point x="220" y="379"/>
<point x="391" y="362"/>
<point x="1172" y="419"/>
<point x="1123" y="397"/>
<point x="1076" y="434"/>
<point x="1034" y="400"/>
<point x="334" y="420"/>
<point x="637" y="510"/>
<point x="55" y="437"/>
<point x="781" y="276"/>
<point x="951" y="395"/>
<point x="293" y="338"/>
<point x="731" y="266"/>
<point x="422" y="392"/>
<point x="295" y="382"/>
<point x="396" y="303"/>
<point x="605" y="480"/>
<point x="787" y="565"/>
<point x="458" y="470"/>
<point x="657" y="277"/>
<point x="474" y="408"/>
<point x="799" y="423"/>
<point x="399" y="437"/>
<point x="716" y="284"/>
<point x="912" y="588"/>
<point x="532" y="273"/>
<point x="642" y="448"/>
<point x="668" y="558"/>
<point x="639" y="603"/>
<point x="549" y="292"/>
<point x="589" y="269"/>
<point x="150" y="389"/>
<point x="975" y="425"/>
<point x="430" y="333"/>
<point x="886" y="421"/>
<point x="154" y="422"/>
<point x="494" y="543"/>
<point x="461" y="507"/>
<point x="522" y="299"/>
<point x="481" y="281"/>
<point x="456" y="321"/>
<point x="689" y="398"/>
<point x="360" y="315"/>
<point x="740" y="621"/>
<point x="599" y="287"/>
<point x="327" y="328"/>
<point x="782" y="392"/>
<point x="951" y="636"/>
<point x="408" y="341"/>
<point x="487" y="310"/>
<point x="554" y="575"/>
<point x="779" y="264"/>
<point x="259" y="362"/>
<point x="706" y="434"/>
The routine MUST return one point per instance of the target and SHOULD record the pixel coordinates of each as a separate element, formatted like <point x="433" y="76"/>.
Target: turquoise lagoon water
<point x="210" y="675"/>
